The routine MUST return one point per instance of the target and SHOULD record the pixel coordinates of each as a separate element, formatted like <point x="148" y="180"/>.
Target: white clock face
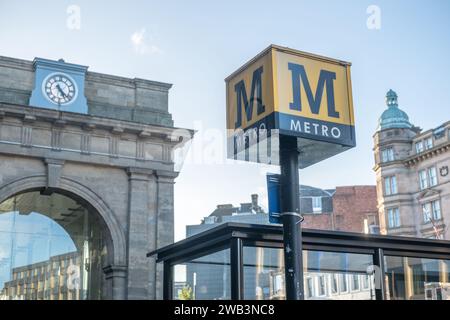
<point x="59" y="88"/>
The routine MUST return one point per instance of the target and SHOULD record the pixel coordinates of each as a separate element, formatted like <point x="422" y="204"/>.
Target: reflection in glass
<point x="334" y="283"/>
<point x="343" y="281"/>
<point x="308" y="288"/>
<point x="411" y="278"/>
<point x="51" y="247"/>
<point x="327" y="275"/>
<point x="204" y="278"/>
<point x="263" y="273"/>
<point x="338" y="275"/>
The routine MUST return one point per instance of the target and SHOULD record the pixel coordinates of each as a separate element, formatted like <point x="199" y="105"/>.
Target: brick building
<point x="347" y="208"/>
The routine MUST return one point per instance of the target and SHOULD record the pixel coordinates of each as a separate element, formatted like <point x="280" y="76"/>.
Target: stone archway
<point x="116" y="269"/>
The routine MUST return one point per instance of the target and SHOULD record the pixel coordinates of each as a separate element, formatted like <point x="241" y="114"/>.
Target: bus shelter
<point x="240" y="261"/>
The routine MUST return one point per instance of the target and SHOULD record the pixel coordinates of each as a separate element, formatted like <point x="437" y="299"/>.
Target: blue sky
<point x="196" y="44"/>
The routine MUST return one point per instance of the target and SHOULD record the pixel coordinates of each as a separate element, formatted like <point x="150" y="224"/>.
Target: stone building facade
<point x="412" y="174"/>
<point x="114" y="163"/>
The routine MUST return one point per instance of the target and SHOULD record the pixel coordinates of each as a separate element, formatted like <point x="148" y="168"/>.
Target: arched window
<point x="51" y="247"/>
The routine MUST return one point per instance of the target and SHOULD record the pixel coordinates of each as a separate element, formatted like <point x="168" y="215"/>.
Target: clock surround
<point x="60" y="88"/>
<point x="65" y="95"/>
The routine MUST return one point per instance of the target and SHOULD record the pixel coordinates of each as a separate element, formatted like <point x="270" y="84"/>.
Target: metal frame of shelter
<point x="234" y="236"/>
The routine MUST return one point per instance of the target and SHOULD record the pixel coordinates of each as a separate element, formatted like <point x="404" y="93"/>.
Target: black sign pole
<point x="291" y="218"/>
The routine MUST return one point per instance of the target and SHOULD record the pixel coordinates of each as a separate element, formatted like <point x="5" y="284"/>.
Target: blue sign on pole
<point x="273" y="193"/>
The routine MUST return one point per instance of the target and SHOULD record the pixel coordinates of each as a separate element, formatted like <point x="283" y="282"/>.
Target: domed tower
<point x="392" y="145"/>
<point x="393" y="117"/>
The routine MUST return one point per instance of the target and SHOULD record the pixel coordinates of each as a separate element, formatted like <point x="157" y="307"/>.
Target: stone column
<point x="165" y="218"/>
<point x="138" y="236"/>
<point x="152" y="229"/>
<point x="116" y="278"/>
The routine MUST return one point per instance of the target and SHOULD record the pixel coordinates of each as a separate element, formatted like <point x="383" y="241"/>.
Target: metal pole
<point x="167" y="281"/>
<point x="380" y="290"/>
<point x="290" y="208"/>
<point x="237" y="270"/>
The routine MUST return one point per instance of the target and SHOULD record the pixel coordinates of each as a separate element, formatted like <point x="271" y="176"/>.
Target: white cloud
<point x="140" y="46"/>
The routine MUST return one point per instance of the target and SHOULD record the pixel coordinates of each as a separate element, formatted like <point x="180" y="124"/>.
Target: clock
<point x="59" y="85"/>
<point x="59" y="88"/>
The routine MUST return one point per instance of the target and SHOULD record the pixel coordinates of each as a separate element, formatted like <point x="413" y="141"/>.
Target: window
<point x="334" y="283"/>
<point x="317" y="204"/>
<point x="387" y="155"/>
<point x="432" y="176"/>
<point x="428" y="178"/>
<point x="390" y="185"/>
<point x="436" y="207"/>
<point x="343" y="283"/>
<point x="321" y="286"/>
<point x="393" y="185"/>
<point x="393" y="218"/>
<point x="355" y="282"/>
<point x="277" y="284"/>
<point x="387" y="186"/>
<point x="309" y="288"/>
<point x="419" y="147"/>
<point x="428" y="143"/>
<point x="423" y="181"/>
<point x="439" y="132"/>
<point x="426" y="212"/>
<point x="365" y="281"/>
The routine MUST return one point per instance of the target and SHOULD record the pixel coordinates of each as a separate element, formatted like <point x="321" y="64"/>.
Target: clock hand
<point x="61" y="91"/>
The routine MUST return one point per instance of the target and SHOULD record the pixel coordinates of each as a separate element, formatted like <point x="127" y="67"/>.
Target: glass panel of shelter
<point x="204" y="278"/>
<point x="327" y="275"/>
<point x="417" y="278"/>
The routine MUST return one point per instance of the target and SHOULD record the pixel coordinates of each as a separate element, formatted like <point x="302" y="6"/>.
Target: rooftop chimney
<point x="255" y="201"/>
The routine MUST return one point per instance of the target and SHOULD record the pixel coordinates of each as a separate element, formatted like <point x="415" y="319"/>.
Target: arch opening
<point x="52" y="246"/>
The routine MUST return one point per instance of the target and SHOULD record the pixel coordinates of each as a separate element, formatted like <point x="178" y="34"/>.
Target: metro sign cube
<point x="288" y="92"/>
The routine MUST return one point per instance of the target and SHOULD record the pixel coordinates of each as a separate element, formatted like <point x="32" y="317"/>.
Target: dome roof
<point x="393" y="117"/>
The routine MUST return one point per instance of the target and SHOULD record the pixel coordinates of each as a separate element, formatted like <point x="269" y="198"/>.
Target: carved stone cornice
<point x="86" y="121"/>
<point x="166" y="176"/>
<point x="135" y="173"/>
<point x="59" y="123"/>
<point x="427" y="154"/>
<point x="85" y="138"/>
<point x="27" y="118"/>
<point x="428" y="193"/>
